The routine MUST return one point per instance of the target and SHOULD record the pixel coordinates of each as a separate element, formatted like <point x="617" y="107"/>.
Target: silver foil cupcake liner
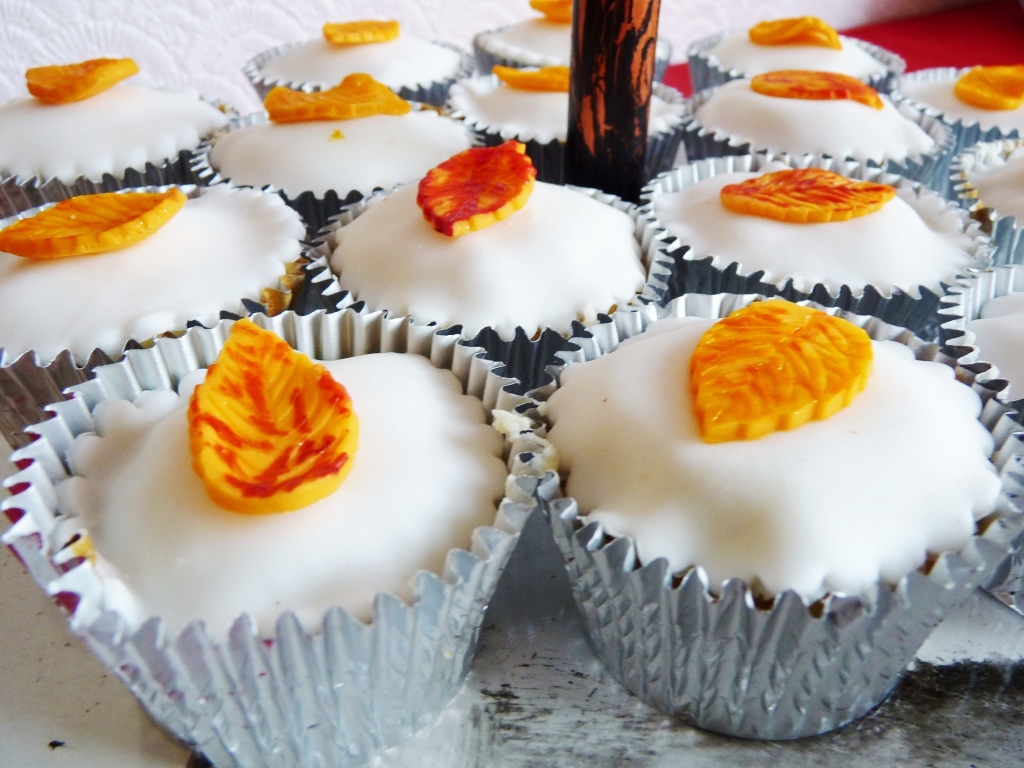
<point x="549" y="157"/>
<point x="728" y="661"/>
<point x="912" y="307"/>
<point x="1005" y="231"/>
<point x="488" y="56"/>
<point x="962" y="304"/>
<point x="708" y="72"/>
<point x="525" y="357"/>
<point x="315" y="211"/>
<point x="332" y="697"/>
<point x="435" y="93"/>
<point x="19" y="194"/>
<point x="930" y="169"/>
<point x="28" y="385"/>
<point x="966" y="133"/>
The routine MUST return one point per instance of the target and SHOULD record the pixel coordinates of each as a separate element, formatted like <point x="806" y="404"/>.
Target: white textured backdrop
<point x="204" y="43"/>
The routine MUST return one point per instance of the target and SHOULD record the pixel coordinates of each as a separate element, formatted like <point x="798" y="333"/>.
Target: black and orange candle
<point x="613" y="44"/>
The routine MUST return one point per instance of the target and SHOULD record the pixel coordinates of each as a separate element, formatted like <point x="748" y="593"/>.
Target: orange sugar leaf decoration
<point x="91" y="224"/>
<point x="800" y="30"/>
<point x="559" y="11"/>
<point x="806" y="196"/>
<point x="997" y="88"/>
<point x="775" y="366"/>
<point x="358" y="95"/>
<point x="817" y="86"/>
<point x="476" y="188"/>
<point x="360" y="32"/>
<point x="555" y="79"/>
<point x="73" y="82"/>
<point x="269" y="429"/>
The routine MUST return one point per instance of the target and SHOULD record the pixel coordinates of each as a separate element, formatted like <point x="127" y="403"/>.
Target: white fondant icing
<point x="830" y="506"/>
<point x="538" y="115"/>
<point x="562" y="255"/>
<point x="939" y="95"/>
<point x="538" y="42"/>
<point x="375" y="152"/>
<point x="999" y="181"/>
<point x="913" y="240"/>
<point x="840" y="127"/>
<point x="999" y="336"/>
<point x="426" y="473"/>
<point x="735" y="51"/>
<point x="123" y="127"/>
<point x="407" y="61"/>
<point x="221" y="247"/>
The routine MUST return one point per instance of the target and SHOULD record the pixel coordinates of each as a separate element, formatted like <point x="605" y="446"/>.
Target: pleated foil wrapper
<point x="962" y="304"/>
<point x="19" y="194"/>
<point x="549" y="157"/>
<point x="708" y="72"/>
<point x="28" y="384"/>
<point x="434" y="93"/>
<point x="1005" y="231"/>
<point x="315" y="211"/>
<point x="525" y="356"/>
<point x="966" y="133"/>
<point x="930" y="169"/>
<point x="335" y="696"/>
<point x="912" y="307"/>
<point x="489" y="53"/>
<point x="728" y="662"/>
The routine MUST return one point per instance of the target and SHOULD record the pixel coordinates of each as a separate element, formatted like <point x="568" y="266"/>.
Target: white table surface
<point x="536" y="696"/>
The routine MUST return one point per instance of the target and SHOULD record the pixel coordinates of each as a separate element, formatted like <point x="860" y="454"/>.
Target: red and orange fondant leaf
<point x="806" y="196"/>
<point x="476" y="188"/>
<point x="817" y="86"/>
<point x="992" y="87"/>
<point x="360" y="32"/>
<point x="358" y="95"/>
<point x="554" y="10"/>
<point x="554" y="79"/>
<point x="65" y="83"/>
<point x="91" y="224"/>
<point x="775" y="366"/>
<point x="800" y="30"/>
<point x="269" y="429"/>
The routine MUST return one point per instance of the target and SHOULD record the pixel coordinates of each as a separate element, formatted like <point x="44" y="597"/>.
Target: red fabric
<point x="983" y="33"/>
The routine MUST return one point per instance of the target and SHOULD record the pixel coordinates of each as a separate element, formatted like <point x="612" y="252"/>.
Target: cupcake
<point x="82" y="130"/>
<point x="532" y="106"/>
<point x="464" y="249"/>
<point x="414" y="68"/>
<point x="817" y="113"/>
<point x="769" y="512"/>
<point x="250" y="515"/>
<point x="326" y="151"/>
<point x="867" y="242"/>
<point x="543" y="42"/>
<point x="988" y="180"/>
<point x="66" y="307"/>
<point x="978" y="103"/>
<point x="805" y="42"/>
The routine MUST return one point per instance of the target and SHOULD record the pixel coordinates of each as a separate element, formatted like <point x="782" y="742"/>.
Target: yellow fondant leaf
<point x="270" y="430"/>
